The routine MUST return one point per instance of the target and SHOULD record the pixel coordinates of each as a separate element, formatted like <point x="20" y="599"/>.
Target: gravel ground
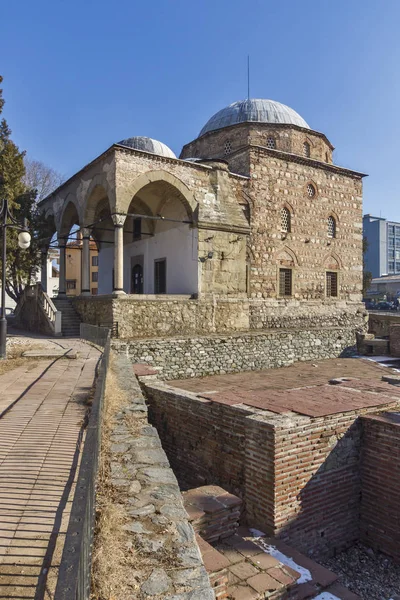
<point x="372" y="575"/>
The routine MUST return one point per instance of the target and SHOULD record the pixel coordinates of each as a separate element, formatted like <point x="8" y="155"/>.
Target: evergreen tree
<point x="21" y="264"/>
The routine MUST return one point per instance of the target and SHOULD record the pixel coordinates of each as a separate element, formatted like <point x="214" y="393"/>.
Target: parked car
<point x="369" y="305"/>
<point x="384" y="306"/>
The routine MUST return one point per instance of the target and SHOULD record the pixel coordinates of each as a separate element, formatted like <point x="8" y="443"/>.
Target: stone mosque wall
<point x="277" y="183"/>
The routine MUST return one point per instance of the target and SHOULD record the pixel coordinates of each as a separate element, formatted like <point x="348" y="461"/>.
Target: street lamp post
<point x="24" y="241"/>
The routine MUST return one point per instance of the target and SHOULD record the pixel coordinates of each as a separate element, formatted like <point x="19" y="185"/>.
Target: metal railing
<point x="75" y="568"/>
<point x="95" y="334"/>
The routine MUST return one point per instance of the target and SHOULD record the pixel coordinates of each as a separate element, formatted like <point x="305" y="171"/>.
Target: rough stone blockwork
<point x="178" y="358"/>
<point x="380" y="518"/>
<point x="157" y="521"/>
<point x="298" y="476"/>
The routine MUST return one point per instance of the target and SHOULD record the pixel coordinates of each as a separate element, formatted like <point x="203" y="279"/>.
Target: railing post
<point x="57" y="322"/>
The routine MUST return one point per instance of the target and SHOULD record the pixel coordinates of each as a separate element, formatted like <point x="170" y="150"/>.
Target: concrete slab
<point x="48" y="354"/>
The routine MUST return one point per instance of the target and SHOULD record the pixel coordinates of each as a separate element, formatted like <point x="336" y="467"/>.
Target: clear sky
<point x="80" y="75"/>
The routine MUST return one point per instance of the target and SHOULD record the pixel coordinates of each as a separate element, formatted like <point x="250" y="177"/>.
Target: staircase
<point x="70" y="321"/>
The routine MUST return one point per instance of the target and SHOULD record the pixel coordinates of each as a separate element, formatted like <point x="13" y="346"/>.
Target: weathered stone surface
<point x="181" y="358"/>
<point x="157" y="583"/>
<point x="156" y="522"/>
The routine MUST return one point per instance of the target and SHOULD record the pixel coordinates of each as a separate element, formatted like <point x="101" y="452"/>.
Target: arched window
<point x="311" y="191"/>
<point x="227" y="147"/>
<point x="285" y="220"/>
<point x="306" y="149"/>
<point x="331" y="227"/>
<point x="271" y="142"/>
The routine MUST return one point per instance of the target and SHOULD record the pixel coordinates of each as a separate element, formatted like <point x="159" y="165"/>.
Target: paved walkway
<point x="42" y="410"/>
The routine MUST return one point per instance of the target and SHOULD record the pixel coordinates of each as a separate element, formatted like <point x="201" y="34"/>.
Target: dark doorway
<point x="160" y="276"/>
<point x="137" y="280"/>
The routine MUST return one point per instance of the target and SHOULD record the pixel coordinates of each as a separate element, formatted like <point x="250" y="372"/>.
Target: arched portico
<point x="155" y="240"/>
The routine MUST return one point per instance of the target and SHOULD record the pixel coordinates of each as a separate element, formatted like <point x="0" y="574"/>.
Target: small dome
<point x="255" y="110"/>
<point x="147" y="144"/>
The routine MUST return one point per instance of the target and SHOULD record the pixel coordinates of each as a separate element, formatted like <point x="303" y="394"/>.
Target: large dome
<point x="255" y="110"/>
<point x="147" y="144"/>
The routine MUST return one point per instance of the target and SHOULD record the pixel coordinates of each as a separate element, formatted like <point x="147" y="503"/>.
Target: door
<point x="137" y="279"/>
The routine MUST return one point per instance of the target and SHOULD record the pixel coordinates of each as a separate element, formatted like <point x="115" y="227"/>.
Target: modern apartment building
<point x="383" y="252"/>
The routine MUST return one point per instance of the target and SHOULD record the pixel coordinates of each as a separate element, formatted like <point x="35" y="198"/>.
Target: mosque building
<point x="252" y="227"/>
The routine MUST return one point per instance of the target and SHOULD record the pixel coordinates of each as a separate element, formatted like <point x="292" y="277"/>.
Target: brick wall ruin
<point x="298" y="476"/>
<point x="380" y="519"/>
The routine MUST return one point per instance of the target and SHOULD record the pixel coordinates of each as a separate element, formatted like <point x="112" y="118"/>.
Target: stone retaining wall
<point x="184" y="357"/>
<point x="167" y="560"/>
<point x="141" y="317"/>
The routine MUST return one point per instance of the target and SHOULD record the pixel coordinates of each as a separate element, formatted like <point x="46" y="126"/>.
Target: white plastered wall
<point x="177" y="244"/>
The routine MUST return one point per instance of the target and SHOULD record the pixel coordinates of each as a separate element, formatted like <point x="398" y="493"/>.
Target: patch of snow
<point x="305" y="574"/>
<point x="326" y="596"/>
<point x="256" y="532"/>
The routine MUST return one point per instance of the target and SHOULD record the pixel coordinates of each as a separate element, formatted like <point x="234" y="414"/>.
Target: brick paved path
<point x="40" y="436"/>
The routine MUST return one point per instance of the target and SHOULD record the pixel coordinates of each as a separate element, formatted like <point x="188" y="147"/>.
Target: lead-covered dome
<point x="254" y="110"/>
<point x="147" y="144"/>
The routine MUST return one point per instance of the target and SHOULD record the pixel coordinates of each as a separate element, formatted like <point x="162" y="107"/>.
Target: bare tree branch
<point x="42" y="178"/>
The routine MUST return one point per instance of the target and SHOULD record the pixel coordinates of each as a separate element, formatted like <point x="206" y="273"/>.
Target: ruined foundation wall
<point x="317" y="484"/>
<point x="183" y="357"/>
<point x="380" y="520"/>
<point x="299" y="476"/>
<point x="204" y="441"/>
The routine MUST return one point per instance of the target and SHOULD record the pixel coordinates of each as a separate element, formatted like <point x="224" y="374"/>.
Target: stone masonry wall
<point x="277" y="182"/>
<point x="164" y="560"/>
<point x="183" y="357"/>
<point x="288" y="138"/>
<point x="299" y="476"/>
<point x="155" y="316"/>
<point x="380" y="519"/>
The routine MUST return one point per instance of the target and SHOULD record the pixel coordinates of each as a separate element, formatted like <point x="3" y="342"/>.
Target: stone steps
<point x="70" y="321"/>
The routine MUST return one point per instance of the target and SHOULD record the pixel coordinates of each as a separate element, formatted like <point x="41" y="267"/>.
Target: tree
<point x="21" y="264"/>
<point x="41" y="178"/>
<point x="367" y="275"/>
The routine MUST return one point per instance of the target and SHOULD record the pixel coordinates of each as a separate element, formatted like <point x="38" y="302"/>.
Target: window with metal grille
<point x="271" y="142"/>
<point x="331" y="284"/>
<point x="160" y="276"/>
<point x="95" y="291"/>
<point x="331" y="227"/>
<point x="71" y="284"/>
<point x="95" y="261"/>
<point x="285" y="220"/>
<point x="227" y="147"/>
<point x="137" y="229"/>
<point x="95" y="276"/>
<point x="306" y="149"/>
<point x="310" y="190"/>
<point x="285" y="282"/>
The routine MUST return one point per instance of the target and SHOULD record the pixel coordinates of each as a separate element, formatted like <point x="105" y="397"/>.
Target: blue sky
<point x="79" y="76"/>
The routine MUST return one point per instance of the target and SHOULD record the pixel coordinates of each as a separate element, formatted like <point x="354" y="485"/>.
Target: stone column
<point x="62" y="284"/>
<point x="86" y="262"/>
<point x="43" y="274"/>
<point x="118" y="221"/>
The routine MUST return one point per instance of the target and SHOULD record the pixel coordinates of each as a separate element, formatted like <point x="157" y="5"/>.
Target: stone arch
<point x="332" y="262"/>
<point x="286" y="257"/>
<point x="70" y="213"/>
<point x="289" y="207"/>
<point x="160" y="176"/>
<point x="97" y="191"/>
